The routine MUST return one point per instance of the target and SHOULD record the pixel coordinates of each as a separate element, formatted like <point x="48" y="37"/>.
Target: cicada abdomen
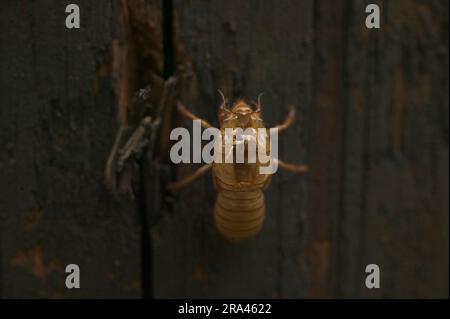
<point x="239" y="209"/>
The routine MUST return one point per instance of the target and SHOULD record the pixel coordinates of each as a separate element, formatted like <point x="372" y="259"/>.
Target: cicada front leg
<point x="188" y="114"/>
<point x="175" y="186"/>
<point x="288" y="121"/>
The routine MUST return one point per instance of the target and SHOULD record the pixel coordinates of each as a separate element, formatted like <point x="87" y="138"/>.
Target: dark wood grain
<point x="395" y="213"/>
<point x="58" y="118"/>
<point x="372" y="123"/>
<point x="327" y="147"/>
<point x="242" y="52"/>
<point x="353" y="88"/>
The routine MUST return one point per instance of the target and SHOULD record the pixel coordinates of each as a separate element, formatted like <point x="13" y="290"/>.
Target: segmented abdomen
<point x="239" y="214"/>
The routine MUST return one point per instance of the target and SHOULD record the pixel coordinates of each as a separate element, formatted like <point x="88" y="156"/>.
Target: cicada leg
<point x="300" y="169"/>
<point x="186" y="113"/>
<point x="288" y="121"/>
<point x="175" y="186"/>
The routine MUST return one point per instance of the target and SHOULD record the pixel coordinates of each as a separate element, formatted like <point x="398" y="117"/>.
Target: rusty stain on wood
<point x="102" y="71"/>
<point x="32" y="219"/>
<point x="138" y="53"/>
<point x="199" y="273"/>
<point x="318" y="254"/>
<point x="32" y="260"/>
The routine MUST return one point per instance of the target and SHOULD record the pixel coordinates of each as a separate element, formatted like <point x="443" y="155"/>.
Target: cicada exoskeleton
<point x="239" y="209"/>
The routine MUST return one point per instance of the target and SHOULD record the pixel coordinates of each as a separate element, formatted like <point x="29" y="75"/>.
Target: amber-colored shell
<point x="239" y="209"/>
<point x="239" y="215"/>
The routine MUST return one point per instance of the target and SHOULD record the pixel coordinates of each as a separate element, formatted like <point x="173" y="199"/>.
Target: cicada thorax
<point x="239" y="209"/>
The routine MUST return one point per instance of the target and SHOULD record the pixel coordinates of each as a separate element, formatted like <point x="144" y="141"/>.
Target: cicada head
<point x="241" y="115"/>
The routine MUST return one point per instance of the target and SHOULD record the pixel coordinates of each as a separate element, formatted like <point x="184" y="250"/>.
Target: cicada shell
<point x="239" y="208"/>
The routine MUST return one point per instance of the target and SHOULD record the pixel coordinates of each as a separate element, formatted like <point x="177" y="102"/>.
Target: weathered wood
<point x="395" y="193"/>
<point x="352" y="83"/>
<point x="372" y="123"/>
<point x="242" y="52"/>
<point x="58" y="119"/>
<point x="326" y="144"/>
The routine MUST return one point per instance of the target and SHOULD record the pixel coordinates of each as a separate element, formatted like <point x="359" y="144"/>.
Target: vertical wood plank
<point x="394" y="214"/>
<point x="372" y="123"/>
<point x="242" y="48"/>
<point x="327" y="123"/>
<point x="58" y="119"/>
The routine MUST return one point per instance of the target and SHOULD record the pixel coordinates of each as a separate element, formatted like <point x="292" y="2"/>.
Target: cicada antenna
<point x="258" y="107"/>
<point x="224" y="103"/>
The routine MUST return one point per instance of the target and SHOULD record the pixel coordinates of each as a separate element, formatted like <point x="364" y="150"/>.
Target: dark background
<point x="373" y="125"/>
